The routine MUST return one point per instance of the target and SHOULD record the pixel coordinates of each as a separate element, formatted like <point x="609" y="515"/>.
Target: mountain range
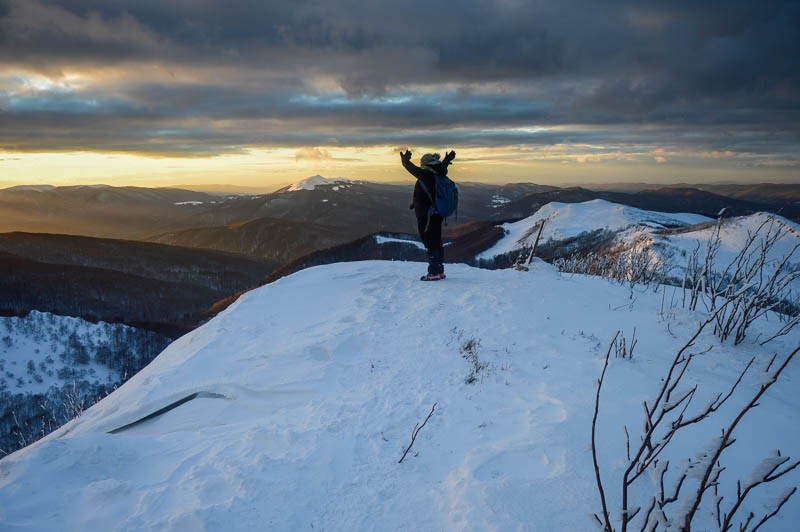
<point x="310" y="222"/>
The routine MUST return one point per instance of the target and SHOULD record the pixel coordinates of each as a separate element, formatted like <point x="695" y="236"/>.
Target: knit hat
<point x="430" y="159"/>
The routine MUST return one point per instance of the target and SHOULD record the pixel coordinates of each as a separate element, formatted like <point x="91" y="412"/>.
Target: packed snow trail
<point x="325" y="374"/>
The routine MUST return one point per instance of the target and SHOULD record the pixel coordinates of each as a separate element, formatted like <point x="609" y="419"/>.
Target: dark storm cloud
<point x="195" y="76"/>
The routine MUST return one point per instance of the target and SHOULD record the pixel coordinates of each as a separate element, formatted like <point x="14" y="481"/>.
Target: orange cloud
<point x="312" y="154"/>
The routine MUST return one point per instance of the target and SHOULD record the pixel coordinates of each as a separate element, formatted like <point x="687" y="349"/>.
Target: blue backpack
<point x="445" y="201"/>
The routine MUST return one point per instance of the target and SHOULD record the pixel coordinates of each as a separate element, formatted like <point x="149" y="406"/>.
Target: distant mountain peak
<point x="310" y="183"/>
<point x="34" y="188"/>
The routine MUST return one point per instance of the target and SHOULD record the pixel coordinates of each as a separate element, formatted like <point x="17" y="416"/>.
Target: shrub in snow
<point x="469" y="351"/>
<point x="674" y="507"/>
<point x="757" y="281"/>
<point x="754" y="282"/>
<point x="635" y="264"/>
<point x="623" y="348"/>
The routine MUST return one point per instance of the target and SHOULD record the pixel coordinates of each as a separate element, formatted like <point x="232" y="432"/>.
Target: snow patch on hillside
<point x="498" y="201"/>
<point x="52" y="367"/>
<point x="40" y="350"/>
<point x="309" y="389"/>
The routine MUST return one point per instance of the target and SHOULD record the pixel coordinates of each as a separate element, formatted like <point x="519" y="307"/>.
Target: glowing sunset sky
<point x="261" y="93"/>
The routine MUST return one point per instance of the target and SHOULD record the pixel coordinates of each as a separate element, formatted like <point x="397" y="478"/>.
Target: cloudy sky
<point x="266" y="92"/>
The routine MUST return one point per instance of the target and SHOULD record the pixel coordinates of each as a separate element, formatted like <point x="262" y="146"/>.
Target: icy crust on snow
<point x="312" y="182"/>
<point x="324" y="374"/>
<point x="566" y="220"/>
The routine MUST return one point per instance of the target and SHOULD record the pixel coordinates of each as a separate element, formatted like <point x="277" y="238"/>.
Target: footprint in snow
<point x="527" y="464"/>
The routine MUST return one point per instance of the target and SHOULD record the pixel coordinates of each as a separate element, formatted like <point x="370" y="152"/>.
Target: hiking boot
<point x="433" y="277"/>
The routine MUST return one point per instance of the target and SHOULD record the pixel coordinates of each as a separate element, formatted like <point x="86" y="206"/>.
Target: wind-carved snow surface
<point x="312" y="182"/>
<point x="566" y="220"/>
<point x="380" y="239"/>
<point x="291" y="409"/>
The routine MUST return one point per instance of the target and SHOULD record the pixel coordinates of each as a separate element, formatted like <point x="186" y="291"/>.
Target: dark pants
<point x="430" y="231"/>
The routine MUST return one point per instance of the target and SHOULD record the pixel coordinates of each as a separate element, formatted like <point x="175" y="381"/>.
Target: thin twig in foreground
<point x="416" y="430"/>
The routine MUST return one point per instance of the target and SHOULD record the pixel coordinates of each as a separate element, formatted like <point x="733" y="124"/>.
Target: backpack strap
<point x="424" y="188"/>
<point x="432" y="208"/>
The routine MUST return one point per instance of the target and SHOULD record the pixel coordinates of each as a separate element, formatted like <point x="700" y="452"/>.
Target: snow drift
<point x="291" y="409"/>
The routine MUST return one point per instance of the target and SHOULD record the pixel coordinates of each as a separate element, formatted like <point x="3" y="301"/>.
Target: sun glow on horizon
<point x="272" y="168"/>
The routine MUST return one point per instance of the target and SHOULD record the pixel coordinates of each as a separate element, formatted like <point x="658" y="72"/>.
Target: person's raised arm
<point x="413" y="169"/>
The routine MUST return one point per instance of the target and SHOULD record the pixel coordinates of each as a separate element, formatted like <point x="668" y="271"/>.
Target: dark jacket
<point x="421" y="202"/>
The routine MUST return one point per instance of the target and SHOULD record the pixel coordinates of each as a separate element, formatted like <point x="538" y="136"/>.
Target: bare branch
<point x="414" y="433"/>
<point x="726" y="437"/>
<point x="627" y="443"/>
<point x="606" y="518"/>
<point x="777" y="509"/>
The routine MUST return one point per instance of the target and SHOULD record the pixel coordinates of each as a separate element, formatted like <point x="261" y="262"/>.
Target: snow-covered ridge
<point x="733" y="234"/>
<point x="312" y="182"/>
<point x="566" y="220"/>
<point x="294" y="415"/>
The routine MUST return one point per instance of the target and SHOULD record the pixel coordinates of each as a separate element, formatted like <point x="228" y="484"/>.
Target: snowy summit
<point x="291" y="410"/>
<point x="310" y="183"/>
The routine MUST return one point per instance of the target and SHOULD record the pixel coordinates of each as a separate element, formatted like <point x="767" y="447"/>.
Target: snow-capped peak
<point x="310" y="183"/>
